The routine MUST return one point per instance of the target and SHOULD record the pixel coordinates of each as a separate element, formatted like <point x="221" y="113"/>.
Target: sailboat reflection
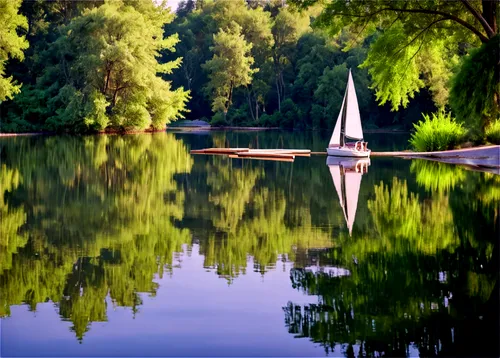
<point x="346" y="174"/>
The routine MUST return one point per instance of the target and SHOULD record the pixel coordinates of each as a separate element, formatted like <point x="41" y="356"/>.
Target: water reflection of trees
<point x="424" y="278"/>
<point x="246" y="210"/>
<point x="11" y="219"/>
<point x="87" y="217"/>
<point x="437" y="177"/>
<point x="92" y="218"/>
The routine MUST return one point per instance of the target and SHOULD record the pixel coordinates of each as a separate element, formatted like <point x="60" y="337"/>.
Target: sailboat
<point x="346" y="174"/>
<point x="348" y="126"/>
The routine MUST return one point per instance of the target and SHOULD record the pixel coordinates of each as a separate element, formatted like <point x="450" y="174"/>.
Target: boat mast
<point x="344" y="114"/>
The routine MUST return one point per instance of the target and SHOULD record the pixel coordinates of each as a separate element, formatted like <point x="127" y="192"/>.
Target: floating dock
<point x="478" y="157"/>
<point x="287" y="155"/>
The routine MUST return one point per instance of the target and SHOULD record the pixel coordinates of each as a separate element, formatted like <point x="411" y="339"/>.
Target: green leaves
<point x="229" y="68"/>
<point x="493" y="132"/>
<point x="393" y="67"/>
<point x="11" y="44"/>
<point x="476" y="88"/>
<point x="102" y="71"/>
<point x="418" y="46"/>
<point x="439" y="133"/>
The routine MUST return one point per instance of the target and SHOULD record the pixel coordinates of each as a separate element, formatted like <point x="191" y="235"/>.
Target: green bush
<point x="240" y="117"/>
<point x="317" y="116"/>
<point x="266" y="120"/>
<point x="493" y="132"/>
<point x="473" y="88"/>
<point x="218" y="120"/>
<point x="441" y="132"/>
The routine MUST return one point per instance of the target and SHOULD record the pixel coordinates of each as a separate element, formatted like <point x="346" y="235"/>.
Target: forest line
<point x="135" y="65"/>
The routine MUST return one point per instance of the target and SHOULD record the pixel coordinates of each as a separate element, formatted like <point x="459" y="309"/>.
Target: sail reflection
<point x="346" y="174"/>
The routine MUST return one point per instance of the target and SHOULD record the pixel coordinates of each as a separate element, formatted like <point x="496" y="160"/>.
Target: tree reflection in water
<point x="91" y="220"/>
<point x="423" y="280"/>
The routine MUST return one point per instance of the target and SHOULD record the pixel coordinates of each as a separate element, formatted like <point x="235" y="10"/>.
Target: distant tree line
<point x="262" y="63"/>
<point x="96" y="65"/>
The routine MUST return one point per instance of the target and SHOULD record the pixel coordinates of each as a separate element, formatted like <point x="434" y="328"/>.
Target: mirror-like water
<point x="130" y="246"/>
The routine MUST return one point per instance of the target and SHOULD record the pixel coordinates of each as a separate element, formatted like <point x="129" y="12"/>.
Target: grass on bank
<point x="493" y="132"/>
<point x="438" y="131"/>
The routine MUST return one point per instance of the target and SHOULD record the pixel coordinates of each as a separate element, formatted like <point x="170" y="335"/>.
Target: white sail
<point x="347" y="181"/>
<point x="352" y="185"/>
<point x="353" y="128"/>
<point x="335" y="172"/>
<point x="335" y="139"/>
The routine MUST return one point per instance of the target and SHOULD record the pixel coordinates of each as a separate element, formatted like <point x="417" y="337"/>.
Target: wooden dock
<point x="287" y="155"/>
<point x="479" y="157"/>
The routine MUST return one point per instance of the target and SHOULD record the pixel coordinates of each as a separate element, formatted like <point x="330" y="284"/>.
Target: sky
<point x="173" y="4"/>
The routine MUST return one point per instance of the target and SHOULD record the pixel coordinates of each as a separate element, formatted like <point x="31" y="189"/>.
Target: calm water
<point x="130" y="246"/>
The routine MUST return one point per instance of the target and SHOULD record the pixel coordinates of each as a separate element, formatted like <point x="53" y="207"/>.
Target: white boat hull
<point x="348" y="152"/>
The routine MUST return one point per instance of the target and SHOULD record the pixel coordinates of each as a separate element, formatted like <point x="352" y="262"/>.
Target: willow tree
<point x="229" y="68"/>
<point x="11" y="44"/>
<point x="103" y="70"/>
<point x="419" y="44"/>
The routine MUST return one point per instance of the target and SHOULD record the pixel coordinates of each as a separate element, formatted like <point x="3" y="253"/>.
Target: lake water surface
<point x="131" y="246"/>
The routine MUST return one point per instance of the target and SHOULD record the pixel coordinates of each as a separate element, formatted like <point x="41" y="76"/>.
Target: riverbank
<point x="227" y="128"/>
<point x="24" y="134"/>
<point x="210" y="128"/>
<point x="113" y="132"/>
<point x="485" y="156"/>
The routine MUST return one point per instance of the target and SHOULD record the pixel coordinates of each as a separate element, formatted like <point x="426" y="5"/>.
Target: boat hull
<point x="347" y="152"/>
<point x="348" y="162"/>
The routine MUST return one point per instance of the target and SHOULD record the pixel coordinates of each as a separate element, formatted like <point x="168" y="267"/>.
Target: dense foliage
<point x="296" y="76"/>
<point x="493" y="132"/>
<point x="475" y="92"/>
<point x="11" y="44"/>
<point x="100" y="72"/>
<point x="109" y="65"/>
<point x="441" y="132"/>
<point x="419" y="44"/>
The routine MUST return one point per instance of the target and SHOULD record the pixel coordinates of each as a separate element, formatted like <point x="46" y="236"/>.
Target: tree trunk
<point x="490" y="8"/>
<point x="249" y="99"/>
<point x="107" y="82"/>
<point x="282" y="86"/>
<point x="279" y="94"/>
<point x="228" y="103"/>
<point x="114" y="96"/>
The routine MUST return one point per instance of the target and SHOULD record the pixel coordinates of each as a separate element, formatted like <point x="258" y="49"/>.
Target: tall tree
<point x="287" y="28"/>
<point x="103" y="70"/>
<point x="11" y="44"/>
<point x="256" y="28"/>
<point x="229" y="68"/>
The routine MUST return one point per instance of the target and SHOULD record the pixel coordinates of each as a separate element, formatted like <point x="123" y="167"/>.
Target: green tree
<point x="229" y="68"/>
<point x="103" y="71"/>
<point x="287" y="28"/>
<point x="11" y="44"/>
<point x="418" y="45"/>
<point x="256" y="28"/>
<point x="475" y="92"/>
